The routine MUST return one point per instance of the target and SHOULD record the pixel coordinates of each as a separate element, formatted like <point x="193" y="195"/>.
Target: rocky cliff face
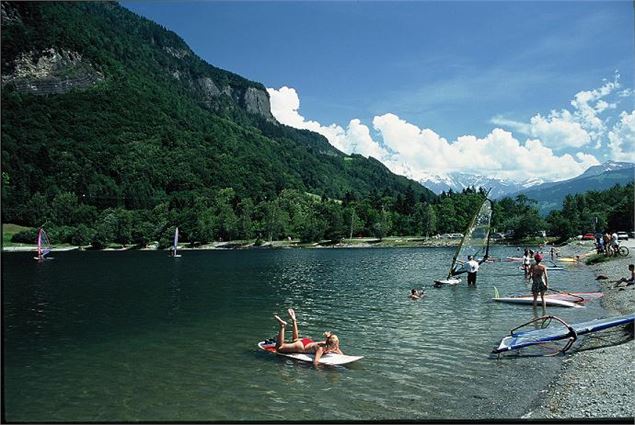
<point x="51" y="71"/>
<point x="54" y="69"/>
<point x="251" y="99"/>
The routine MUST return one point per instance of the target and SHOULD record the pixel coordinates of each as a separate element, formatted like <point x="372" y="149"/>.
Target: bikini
<point x="306" y="341"/>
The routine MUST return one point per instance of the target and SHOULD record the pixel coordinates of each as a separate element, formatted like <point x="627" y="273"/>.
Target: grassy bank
<point x="8" y="230"/>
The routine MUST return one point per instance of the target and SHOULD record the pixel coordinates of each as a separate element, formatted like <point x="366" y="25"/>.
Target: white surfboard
<point x="330" y="359"/>
<point x="451" y="281"/>
<point x="530" y="300"/>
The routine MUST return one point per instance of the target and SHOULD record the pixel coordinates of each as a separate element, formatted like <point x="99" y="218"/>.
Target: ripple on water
<point x="132" y="336"/>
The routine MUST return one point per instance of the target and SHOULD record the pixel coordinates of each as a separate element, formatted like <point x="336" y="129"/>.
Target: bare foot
<point x="282" y="322"/>
<point x="292" y="314"/>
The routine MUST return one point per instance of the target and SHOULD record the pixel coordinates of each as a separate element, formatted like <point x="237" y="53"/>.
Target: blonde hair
<point x="331" y="339"/>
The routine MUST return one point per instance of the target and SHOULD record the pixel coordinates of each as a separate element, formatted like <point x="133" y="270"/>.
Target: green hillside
<point x="550" y="196"/>
<point x="108" y="110"/>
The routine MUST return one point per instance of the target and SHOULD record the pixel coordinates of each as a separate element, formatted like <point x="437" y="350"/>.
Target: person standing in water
<point x="526" y="262"/>
<point x="539" y="280"/>
<point x="471" y="268"/>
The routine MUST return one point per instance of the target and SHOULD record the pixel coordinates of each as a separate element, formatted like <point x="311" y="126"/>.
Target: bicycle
<point x="623" y="251"/>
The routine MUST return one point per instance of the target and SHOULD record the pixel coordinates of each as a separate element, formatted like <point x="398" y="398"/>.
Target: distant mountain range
<point x="548" y="194"/>
<point x="458" y="181"/>
<point x="599" y="177"/>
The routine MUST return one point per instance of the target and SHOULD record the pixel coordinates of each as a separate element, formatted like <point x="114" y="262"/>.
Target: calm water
<point x="126" y="336"/>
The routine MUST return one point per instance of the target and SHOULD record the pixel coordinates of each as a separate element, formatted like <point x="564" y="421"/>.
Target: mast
<point x="468" y="232"/>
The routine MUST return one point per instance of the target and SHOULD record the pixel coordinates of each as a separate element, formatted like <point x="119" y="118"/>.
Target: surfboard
<point x="567" y="259"/>
<point x="550" y="268"/>
<point x="529" y="300"/>
<point x="330" y="359"/>
<point x="451" y="281"/>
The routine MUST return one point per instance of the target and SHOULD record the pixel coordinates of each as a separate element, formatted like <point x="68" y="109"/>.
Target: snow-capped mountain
<point x="596" y="170"/>
<point x="618" y="171"/>
<point x="458" y="181"/>
<point x="599" y="177"/>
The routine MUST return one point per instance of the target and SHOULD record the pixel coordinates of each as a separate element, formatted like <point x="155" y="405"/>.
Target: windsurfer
<point x="331" y="343"/>
<point x="539" y="279"/>
<point x="471" y="268"/>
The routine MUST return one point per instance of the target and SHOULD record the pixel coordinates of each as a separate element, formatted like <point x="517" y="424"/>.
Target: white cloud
<point x="574" y="128"/>
<point x="285" y="105"/>
<point x="409" y="150"/>
<point x="622" y="138"/>
<point x="559" y="130"/>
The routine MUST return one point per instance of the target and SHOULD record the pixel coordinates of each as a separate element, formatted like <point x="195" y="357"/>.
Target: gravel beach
<point x="596" y="384"/>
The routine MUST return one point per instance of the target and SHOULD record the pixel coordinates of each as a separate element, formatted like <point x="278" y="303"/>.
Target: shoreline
<point x="595" y="384"/>
<point x="389" y="242"/>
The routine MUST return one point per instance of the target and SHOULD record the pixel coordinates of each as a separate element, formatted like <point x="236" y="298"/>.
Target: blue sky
<point x="431" y="87"/>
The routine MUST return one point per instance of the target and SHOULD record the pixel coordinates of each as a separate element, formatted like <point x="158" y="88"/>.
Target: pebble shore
<point x="595" y="385"/>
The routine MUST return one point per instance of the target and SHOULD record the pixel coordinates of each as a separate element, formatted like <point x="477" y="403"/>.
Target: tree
<point x="425" y="219"/>
<point x="352" y="220"/>
<point x="83" y="235"/>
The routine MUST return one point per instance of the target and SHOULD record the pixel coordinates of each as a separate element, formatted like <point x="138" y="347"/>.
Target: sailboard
<point x="557" y="298"/>
<point x="576" y="297"/>
<point x="475" y="242"/>
<point x="551" y="268"/>
<point x="529" y="300"/>
<point x="175" y="245"/>
<point x="330" y="359"/>
<point x="43" y="246"/>
<point x="545" y="333"/>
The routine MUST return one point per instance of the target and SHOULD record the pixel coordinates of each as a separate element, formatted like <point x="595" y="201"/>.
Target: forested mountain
<point x="111" y="110"/>
<point x="550" y="196"/>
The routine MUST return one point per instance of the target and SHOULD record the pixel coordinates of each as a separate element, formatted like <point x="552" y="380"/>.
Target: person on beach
<point x="628" y="280"/>
<point x="415" y="295"/>
<point x="471" y="268"/>
<point x="607" y="244"/>
<point x="599" y="243"/>
<point x="539" y="280"/>
<point x="331" y="343"/>
<point x="615" y="244"/>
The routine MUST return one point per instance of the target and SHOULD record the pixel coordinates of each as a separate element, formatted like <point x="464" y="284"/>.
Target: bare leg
<point x="542" y="297"/>
<point x="294" y="321"/>
<point x="280" y="339"/>
<point x="535" y="294"/>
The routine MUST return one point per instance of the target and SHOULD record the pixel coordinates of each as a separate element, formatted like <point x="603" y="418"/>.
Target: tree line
<point x="226" y="216"/>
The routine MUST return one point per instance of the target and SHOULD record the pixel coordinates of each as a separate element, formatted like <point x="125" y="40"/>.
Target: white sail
<point x="43" y="244"/>
<point x="176" y="241"/>
<point x="475" y="240"/>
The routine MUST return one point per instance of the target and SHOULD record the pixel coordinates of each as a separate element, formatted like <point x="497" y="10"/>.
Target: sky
<point x="515" y="90"/>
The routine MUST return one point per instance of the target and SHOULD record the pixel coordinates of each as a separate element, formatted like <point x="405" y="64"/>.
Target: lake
<point x="140" y="336"/>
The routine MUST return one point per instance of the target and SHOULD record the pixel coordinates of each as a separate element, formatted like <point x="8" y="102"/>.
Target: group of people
<point x="536" y="272"/>
<point x="607" y="243"/>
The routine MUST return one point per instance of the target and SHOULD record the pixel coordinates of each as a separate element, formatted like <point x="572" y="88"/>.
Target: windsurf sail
<point x="544" y="333"/>
<point x="475" y="241"/>
<point x="176" y="241"/>
<point x="43" y="244"/>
